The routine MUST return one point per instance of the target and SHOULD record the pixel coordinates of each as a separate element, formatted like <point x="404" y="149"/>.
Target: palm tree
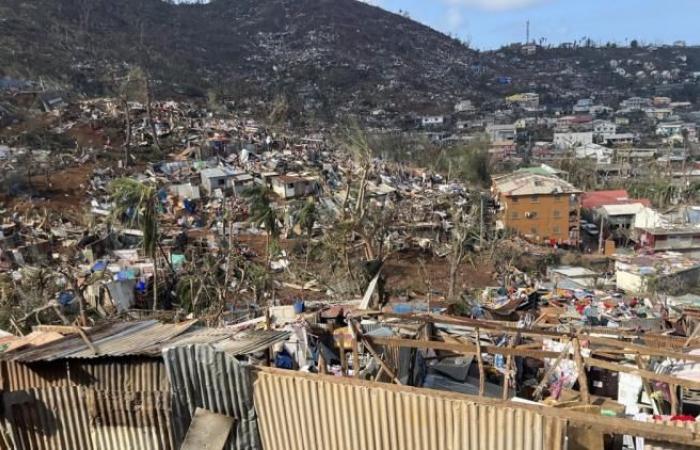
<point x="135" y="203"/>
<point x="262" y="214"/>
<point x="307" y="216"/>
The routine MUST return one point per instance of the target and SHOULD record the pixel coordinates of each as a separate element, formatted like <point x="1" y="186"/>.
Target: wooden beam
<point x="389" y="371"/>
<point x="543" y="382"/>
<point x="87" y="340"/>
<point x="355" y="354"/>
<point x="462" y="348"/>
<point x="582" y="378"/>
<point x="508" y="374"/>
<point x="510" y="328"/>
<point x="673" y="391"/>
<point x="645" y="374"/>
<point x="480" y="361"/>
<point x="471" y="350"/>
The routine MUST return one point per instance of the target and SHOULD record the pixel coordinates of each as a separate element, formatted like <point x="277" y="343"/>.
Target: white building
<point x="464" y="106"/>
<point x="572" y="140"/>
<point x="602" y="155"/>
<point x="225" y="179"/>
<point x="620" y="139"/>
<point x="432" y="121"/>
<point x="584" y="105"/>
<point x="602" y="128"/>
<point x="635" y="103"/>
<point x="501" y="133"/>
<point x="287" y="186"/>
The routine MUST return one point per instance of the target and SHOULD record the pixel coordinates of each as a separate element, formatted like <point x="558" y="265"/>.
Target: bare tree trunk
<point x="149" y="112"/>
<point x="155" y="282"/>
<point x="127" y="140"/>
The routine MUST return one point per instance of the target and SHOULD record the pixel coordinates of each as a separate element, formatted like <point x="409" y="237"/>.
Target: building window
<point x="557" y="214"/>
<point x="514" y="215"/>
<point x="557" y="198"/>
<point x="535" y="198"/>
<point x="515" y="199"/>
<point x="221" y="182"/>
<point x="556" y="229"/>
<point x="290" y="186"/>
<point x="533" y="230"/>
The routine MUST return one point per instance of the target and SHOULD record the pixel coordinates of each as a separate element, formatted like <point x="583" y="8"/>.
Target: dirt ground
<point x="61" y="191"/>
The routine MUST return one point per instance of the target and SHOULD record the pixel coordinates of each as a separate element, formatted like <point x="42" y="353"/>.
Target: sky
<point x="489" y="24"/>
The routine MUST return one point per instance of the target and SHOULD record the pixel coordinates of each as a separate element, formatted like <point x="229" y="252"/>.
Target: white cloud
<point x="494" y="5"/>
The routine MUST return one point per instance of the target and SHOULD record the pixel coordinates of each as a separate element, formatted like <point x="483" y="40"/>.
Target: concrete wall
<point x="550" y="221"/>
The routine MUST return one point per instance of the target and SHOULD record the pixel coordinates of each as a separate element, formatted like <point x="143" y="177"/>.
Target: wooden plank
<point x="464" y="349"/>
<point x="645" y="374"/>
<point x="355" y="354"/>
<point x="511" y="329"/>
<point x="208" y="431"/>
<point x="471" y="350"/>
<point x="389" y="371"/>
<point x="582" y="378"/>
<point x="543" y="382"/>
<point x="508" y="375"/>
<point x="480" y="362"/>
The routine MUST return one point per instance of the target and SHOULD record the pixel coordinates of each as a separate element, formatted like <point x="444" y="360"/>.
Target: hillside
<point x="324" y="57"/>
<point x="328" y="53"/>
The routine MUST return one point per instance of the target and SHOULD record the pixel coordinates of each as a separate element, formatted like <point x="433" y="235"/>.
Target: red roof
<point x="596" y="199"/>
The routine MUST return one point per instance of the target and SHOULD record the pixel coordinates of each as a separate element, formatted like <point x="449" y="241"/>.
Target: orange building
<point x="539" y="207"/>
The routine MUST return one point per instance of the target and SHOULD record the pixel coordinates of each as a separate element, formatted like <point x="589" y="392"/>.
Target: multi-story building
<point x="542" y="208"/>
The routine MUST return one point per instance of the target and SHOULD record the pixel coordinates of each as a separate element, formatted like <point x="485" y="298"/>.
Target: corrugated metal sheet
<point x="129" y="375"/>
<point x="233" y="342"/>
<point x="51" y="419"/>
<point x="300" y="412"/>
<point x="130" y="421"/>
<point x="252" y="342"/>
<point x="17" y="376"/>
<point x="145" y="338"/>
<point x="118" y="339"/>
<point x="125" y="374"/>
<point x="201" y="376"/>
<point x="73" y="418"/>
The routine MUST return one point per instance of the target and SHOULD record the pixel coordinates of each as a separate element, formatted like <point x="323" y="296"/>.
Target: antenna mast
<point x="527" y="32"/>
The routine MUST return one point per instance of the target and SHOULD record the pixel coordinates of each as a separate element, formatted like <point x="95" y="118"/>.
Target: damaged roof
<point x="144" y="338"/>
<point x="533" y="184"/>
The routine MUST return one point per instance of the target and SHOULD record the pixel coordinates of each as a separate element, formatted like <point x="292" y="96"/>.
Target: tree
<point x="465" y="230"/>
<point x="262" y="214"/>
<point x="307" y="216"/>
<point x="136" y="203"/>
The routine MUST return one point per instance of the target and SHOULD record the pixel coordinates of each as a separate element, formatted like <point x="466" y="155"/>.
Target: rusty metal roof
<point x="145" y="338"/>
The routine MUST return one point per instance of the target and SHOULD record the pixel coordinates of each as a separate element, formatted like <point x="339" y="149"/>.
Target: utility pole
<point x="527" y="32"/>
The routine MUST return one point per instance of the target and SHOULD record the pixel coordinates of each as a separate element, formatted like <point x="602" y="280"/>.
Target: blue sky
<point x="488" y="24"/>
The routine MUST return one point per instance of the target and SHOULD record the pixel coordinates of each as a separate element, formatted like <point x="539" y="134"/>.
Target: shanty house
<point x="128" y="385"/>
<point x="292" y="187"/>
<point x="543" y="208"/>
<point x="225" y="179"/>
